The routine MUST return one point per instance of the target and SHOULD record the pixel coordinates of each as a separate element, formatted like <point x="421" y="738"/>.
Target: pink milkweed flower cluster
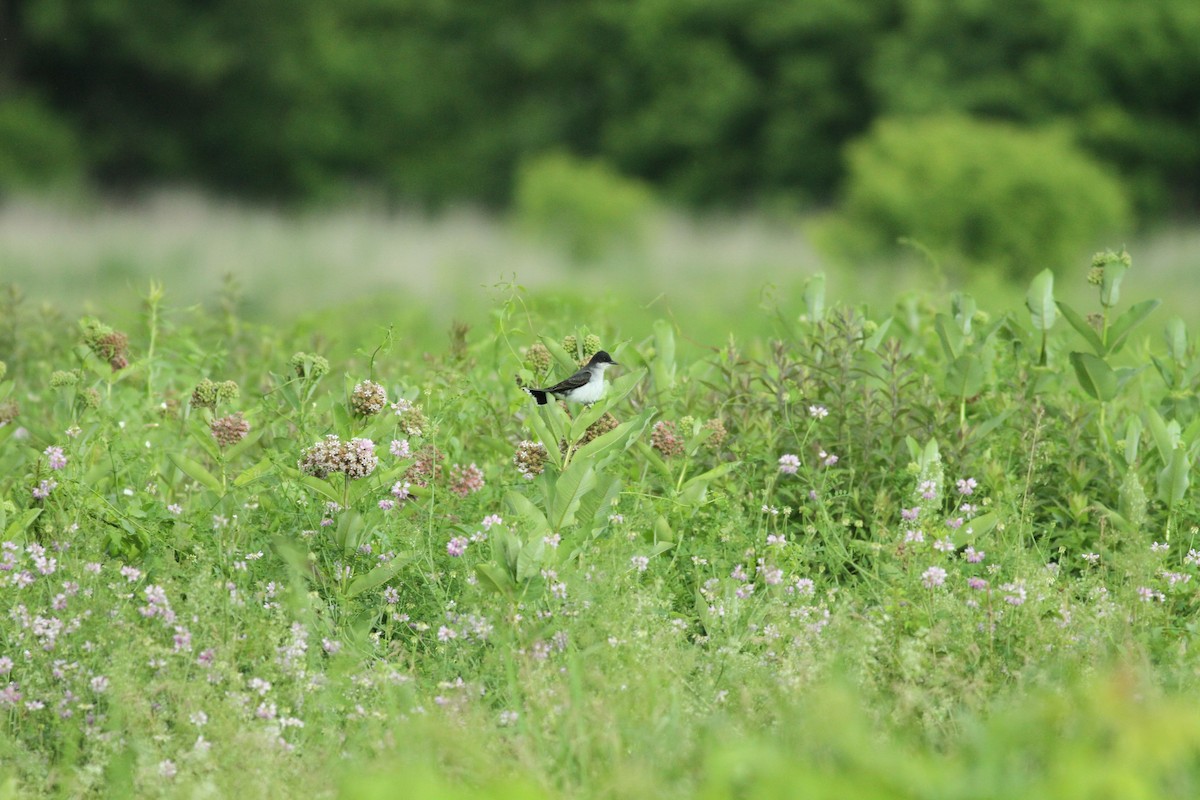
<point x="368" y="398"/>
<point x="229" y="430"/>
<point x="465" y="480"/>
<point x="355" y="458"/>
<point x="411" y="419"/>
<point x="665" y="439"/>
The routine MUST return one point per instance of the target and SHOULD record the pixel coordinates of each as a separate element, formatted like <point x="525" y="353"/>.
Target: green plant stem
<point x="682" y="473"/>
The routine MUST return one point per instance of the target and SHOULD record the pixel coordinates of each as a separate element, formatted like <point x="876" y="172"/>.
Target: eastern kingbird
<point x="585" y="386"/>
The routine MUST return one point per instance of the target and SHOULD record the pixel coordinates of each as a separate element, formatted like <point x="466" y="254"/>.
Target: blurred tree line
<point x="709" y="101"/>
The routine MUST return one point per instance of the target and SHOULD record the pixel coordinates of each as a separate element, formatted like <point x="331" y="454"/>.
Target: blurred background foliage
<point x="1059" y="121"/>
<point x="712" y="102"/>
<point x="993" y="193"/>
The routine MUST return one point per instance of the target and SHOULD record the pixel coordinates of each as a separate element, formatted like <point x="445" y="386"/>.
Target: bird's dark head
<point x="602" y="357"/>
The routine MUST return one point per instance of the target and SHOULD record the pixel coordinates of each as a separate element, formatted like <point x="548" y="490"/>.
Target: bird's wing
<point x="574" y="382"/>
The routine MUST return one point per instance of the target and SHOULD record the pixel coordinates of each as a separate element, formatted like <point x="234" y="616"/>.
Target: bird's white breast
<point x="591" y="391"/>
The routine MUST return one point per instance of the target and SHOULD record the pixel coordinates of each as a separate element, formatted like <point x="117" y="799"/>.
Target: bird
<point x="586" y="386"/>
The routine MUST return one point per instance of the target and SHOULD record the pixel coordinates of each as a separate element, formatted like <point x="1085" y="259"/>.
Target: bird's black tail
<point x="539" y="395"/>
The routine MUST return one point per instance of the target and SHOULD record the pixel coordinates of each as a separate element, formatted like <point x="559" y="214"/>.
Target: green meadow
<point x="285" y="524"/>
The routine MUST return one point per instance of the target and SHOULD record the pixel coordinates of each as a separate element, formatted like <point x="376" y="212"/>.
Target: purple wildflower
<point x="933" y="577"/>
<point x="56" y="458"/>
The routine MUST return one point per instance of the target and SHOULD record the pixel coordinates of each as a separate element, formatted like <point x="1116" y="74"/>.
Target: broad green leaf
<point x="524" y="508"/>
<point x="814" y="297"/>
<point x="342" y="419"/>
<point x="244" y="445"/>
<point x="930" y="455"/>
<point x="1174" y="479"/>
<point x="18" y="525"/>
<point x="694" y="491"/>
<point x="383" y="478"/>
<point x="350" y="529"/>
<point x="259" y="470"/>
<point x="569" y="488"/>
<point x="1165" y="439"/>
<point x="949" y="335"/>
<point x="567" y="362"/>
<point x="963" y="307"/>
<point x="1175" y="333"/>
<point x="538" y="420"/>
<point x="658" y="548"/>
<point x="596" y="505"/>
<point x="1118" y="332"/>
<point x="202" y="436"/>
<point x="507" y="548"/>
<point x="624" y="435"/>
<point x="1115" y="517"/>
<point x="1083" y="328"/>
<point x="697" y="439"/>
<point x="964" y="377"/>
<point x="529" y="562"/>
<point x="1040" y="301"/>
<point x="711" y="475"/>
<point x="378" y="576"/>
<point x="1133" y="438"/>
<point x="1165" y="371"/>
<point x="195" y="471"/>
<point x="655" y="460"/>
<point x="321" y="487"/>
<point x="662" y="531"/>
<point x="982" y="524"/>
<point x="972" y="530"/>
<point x="1095" y="376"/>
<point x="493" y="577"/>
<point x="985" y="428"/>
<point x="875" y="339"/>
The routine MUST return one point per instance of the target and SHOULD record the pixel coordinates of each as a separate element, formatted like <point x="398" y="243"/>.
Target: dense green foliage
<point x="429" y="101"/>
<point x="874" y="555"/>
<point x="583" y="207"/>
<point x="36" y="148"/>
<point x="976" y="193"/>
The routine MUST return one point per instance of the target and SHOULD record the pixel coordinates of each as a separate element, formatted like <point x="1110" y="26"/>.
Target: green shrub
<point x="976" y="193"/>
<point x="585" y="206"/>
<point x="36" y="147"/>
